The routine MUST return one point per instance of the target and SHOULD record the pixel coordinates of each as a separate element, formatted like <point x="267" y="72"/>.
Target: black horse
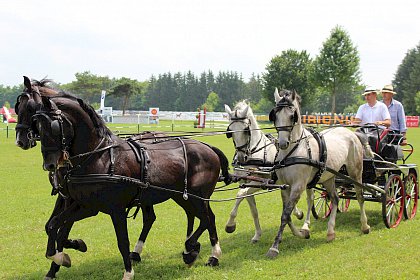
<point x="27" y="103"/>
<point x="81" y="131"/>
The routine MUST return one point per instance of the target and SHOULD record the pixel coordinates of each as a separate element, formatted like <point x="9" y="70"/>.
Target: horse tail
<point x="224" y="163"/>
<point x="367" y="151"/>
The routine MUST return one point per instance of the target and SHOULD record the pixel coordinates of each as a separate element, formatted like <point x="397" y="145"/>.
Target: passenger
<point x="372" y="112"/>
<point x="396" y="110"/>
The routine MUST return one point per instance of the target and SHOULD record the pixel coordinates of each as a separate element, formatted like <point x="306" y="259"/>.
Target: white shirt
<point x="368" y="114"/>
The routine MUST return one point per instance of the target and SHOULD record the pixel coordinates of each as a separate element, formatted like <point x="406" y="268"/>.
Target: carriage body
<point x="387" y="179"/>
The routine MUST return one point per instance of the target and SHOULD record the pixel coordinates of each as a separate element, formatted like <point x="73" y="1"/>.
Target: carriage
<point x="102" y="187"/>
<point x="387" y="179"/>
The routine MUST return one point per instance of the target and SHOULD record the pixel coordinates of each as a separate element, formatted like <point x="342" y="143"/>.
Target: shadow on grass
<point x="237" y="249"/>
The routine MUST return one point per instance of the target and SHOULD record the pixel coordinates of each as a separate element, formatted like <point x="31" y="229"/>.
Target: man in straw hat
<point x="372" y="112"/>
<point x="396" y="110"/>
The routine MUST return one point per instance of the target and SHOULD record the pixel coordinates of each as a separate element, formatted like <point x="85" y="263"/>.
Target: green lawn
<point x="25" y="205"/>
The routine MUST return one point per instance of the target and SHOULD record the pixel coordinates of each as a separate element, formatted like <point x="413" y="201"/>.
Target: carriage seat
<point x="383" y="145"/>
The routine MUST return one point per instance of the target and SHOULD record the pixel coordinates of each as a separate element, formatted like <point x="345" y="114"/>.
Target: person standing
<point x="372" y="112"/>
<point x="396" y="110"/>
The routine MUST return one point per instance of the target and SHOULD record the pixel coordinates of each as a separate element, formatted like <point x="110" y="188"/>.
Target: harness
<point x="288" y="160"/>
<point x="245" y="147"/>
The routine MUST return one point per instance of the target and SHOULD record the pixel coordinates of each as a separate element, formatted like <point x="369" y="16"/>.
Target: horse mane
<point x="288" y="93"/>
<point x="45" y="89"/>
<point x="101" y="129"/>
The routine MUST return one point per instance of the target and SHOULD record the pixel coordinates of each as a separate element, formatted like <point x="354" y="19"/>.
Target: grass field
<point x="25" y="205"/>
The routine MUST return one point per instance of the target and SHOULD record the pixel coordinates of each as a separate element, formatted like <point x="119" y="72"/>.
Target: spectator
<point x="396" y="110"/>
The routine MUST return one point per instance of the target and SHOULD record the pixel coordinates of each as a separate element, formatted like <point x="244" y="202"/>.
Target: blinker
<point x="55" y="128"/>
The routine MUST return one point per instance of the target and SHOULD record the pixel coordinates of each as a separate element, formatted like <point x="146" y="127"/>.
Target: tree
<point x="417" y="101"/>
<point x="89" y="86"/>
<point x="212" y="102"/>
<point x="407" y="80"/>
<point x="263" y="106"/>
<point x="290" y="70"/>
<point x="336" y="68"/>
<point x="254" y="88"/>
<point x="125" y="88"/>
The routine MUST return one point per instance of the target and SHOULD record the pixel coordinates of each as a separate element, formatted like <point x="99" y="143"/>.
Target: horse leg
<point x="61" y="234"/>
<point x="149" y="218"/>
<point x="60" y="205"/>
<point x="119" y="220"/>
<point x="216" y="251"/>
<point x="254" y="212"/>
<point x="52" y="230"/>
<point x="332" y="192"/>
<point x="363" y="218"/>
<point x="290" y="197"/>
<point x="231" y="223"/>
<point x="309" y="201"/>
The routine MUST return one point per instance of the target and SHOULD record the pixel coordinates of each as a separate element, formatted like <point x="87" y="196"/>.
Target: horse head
<point x="68" y="127"/>
<point x="285" y="116"/>
<point x="26" y="105"/>
<point x="55" y="133"/>
<point x="239" y="129"/>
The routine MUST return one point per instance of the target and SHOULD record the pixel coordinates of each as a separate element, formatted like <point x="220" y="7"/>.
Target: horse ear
<point x="27" y="82"/>
<point x="276" y="95"/>
<point x="294" y="93"/>
<point x="245" y="111"/>
<point x="46" y="103"/>
<point x="228" y="110"/>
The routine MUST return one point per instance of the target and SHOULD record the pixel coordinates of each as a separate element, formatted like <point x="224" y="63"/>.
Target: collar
<point x="374" y="106"/>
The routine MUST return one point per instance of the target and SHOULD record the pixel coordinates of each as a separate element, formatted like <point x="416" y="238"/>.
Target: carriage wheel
<point x="343" y="203"/>
<point x="393" y="201"/>
<point x="321" y="207"/>
<point x="411" y="196"/>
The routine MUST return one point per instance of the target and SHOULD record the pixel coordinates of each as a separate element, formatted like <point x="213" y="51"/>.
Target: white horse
<point x="343" y="148"/>
<point x="253" y="149"/>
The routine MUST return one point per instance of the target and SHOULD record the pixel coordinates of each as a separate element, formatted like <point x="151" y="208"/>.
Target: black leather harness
<point x="319" y="164"/>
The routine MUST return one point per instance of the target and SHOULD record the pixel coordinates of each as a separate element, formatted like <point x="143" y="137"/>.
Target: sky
<point x="137" y="39"/>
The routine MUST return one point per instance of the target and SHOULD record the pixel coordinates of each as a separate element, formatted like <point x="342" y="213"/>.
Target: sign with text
<point x="412" y="121"/>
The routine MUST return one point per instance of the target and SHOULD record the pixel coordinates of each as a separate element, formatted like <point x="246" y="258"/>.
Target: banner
<point x="103" y="99"/>
<point x="412" y="121"/>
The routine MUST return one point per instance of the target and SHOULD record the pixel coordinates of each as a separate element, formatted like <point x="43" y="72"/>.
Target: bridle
<point x="30" y="131"/>
<point x="56" y="119"/>
<point x="283" y="103"/>
<point x="245" y="148"/>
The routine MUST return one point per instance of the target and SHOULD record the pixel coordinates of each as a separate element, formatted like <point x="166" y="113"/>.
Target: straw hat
<point x="388" y="88"/>
<point x="369" y="90"/>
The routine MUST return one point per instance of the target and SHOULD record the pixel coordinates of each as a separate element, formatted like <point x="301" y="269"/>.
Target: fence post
<point x="7" y="130"/>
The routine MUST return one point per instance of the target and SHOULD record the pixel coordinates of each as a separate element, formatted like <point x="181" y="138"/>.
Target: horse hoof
<point x="135" y="257"/>
<point x="81" y="245"/>
<point x="305" y="233"/>
<point x="366" y="231"/>
<point x="212" y="262"/>
<point x="254" y="241"/>
<point x="230" y="229"/>
<point x="61" y="259"/>
<point x="300" y="216"/>
<point x="48" y="278"/>
<point x="128" y="275"/>
<point x="66" y="261"/>
<point x="190" y="258"/>
<point x="272" y="253"/>
<point x="330" y="237"/>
